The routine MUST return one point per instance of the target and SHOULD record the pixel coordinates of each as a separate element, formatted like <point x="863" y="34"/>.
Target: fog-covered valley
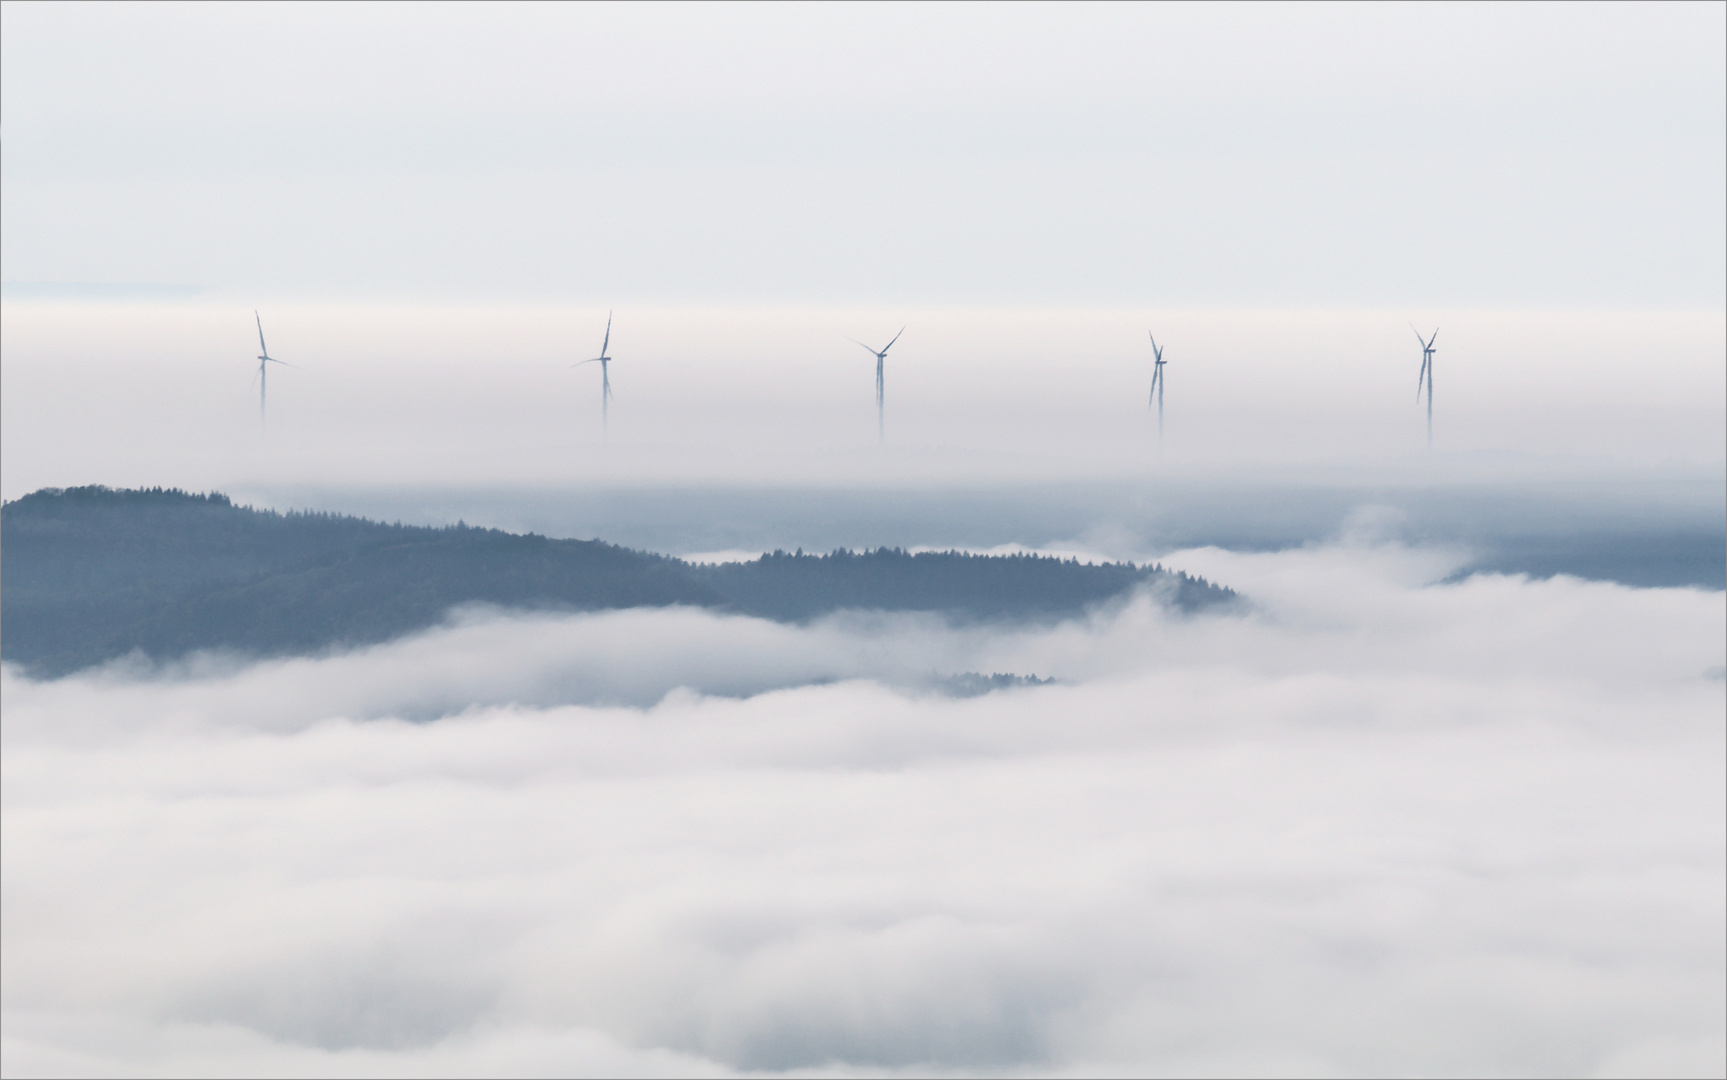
<point x="1482" y="814"/>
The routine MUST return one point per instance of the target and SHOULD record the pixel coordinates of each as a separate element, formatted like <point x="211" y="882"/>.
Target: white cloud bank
<point x="1378" y="826"/>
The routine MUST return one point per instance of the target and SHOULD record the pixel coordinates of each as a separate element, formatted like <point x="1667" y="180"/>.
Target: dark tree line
<point x="89" y="574"/>
<point x="799" y="586"/>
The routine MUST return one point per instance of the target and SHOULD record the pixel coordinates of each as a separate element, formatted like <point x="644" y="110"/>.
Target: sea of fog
<point x="1384" y="821"/>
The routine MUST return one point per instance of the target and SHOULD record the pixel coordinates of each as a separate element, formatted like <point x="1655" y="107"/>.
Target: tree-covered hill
<point x="799" y="586"/>
<point x="90" y="574"/>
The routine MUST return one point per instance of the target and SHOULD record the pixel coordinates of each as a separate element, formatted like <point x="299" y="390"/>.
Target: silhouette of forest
<point x="90" y="574"/>
<point x="800" y="586"/>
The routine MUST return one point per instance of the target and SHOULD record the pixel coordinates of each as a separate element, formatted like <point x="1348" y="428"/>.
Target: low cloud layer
<point x="1374" y="825"/>
<point x="402" y="399"/>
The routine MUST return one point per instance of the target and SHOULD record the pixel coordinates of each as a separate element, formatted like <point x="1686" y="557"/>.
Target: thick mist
<point x="1378" y="823"/>
<point x="487" y="397"/>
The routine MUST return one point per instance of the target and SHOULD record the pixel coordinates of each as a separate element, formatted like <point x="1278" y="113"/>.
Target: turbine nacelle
<point x="881" y="353"/>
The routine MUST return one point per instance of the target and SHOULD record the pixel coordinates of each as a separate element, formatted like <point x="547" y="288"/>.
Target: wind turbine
<point x="1157" y="387"/>
<point x="1426" y="377"/>
<point x="605" y="376"/>
<point x="264" y="362"/>
<point x="880" y="355"/>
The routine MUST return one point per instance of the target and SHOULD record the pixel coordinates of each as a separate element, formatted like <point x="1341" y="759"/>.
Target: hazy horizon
<point x="422" y="396"/>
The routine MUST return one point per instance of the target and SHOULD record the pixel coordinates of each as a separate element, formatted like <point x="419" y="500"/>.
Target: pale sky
<point x="1553" y="156"/>
<point x="435" y="208"/>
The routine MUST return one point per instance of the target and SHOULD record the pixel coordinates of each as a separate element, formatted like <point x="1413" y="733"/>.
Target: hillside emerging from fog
<point x="91" y="574"/>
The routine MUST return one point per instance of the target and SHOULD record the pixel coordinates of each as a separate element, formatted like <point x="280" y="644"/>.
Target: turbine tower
<point x="1157" y="387"/>
<point x="880" y="355"/>
<point x="264" y="362"/>
<point x="1426" y="377"/>
<point x="605" y="376"/>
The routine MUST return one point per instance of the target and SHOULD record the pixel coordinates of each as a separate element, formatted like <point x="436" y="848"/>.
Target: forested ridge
<point x="799" y="586"/>
<point x="90" y="574"/>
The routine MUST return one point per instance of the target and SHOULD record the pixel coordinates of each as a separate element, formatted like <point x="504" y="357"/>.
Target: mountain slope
<point x="90" y="574"/>
<point x="799" y="586"/>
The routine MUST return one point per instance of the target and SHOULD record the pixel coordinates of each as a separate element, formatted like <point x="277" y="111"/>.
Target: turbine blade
<point x="261" y="346"/>
<point x="608" y="341"/>
<point x="866" y="348"/>
<point x="284" y="363"/>
<point x="1434" y="338"/>
<point x="896" y="337"/>
<point x="1418" y="336"/>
